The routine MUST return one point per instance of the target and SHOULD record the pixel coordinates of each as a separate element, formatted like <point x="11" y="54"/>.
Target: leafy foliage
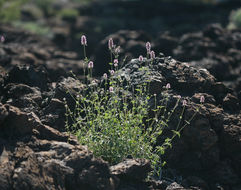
<point x="112" y="116"/>
<point x="10" y="9"/>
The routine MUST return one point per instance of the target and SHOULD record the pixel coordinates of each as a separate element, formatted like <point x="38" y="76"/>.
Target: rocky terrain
<point x="36" y="152"/>
<point x="103" y="17"/>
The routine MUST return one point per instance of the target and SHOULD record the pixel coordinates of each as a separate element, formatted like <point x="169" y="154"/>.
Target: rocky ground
<point x="214" y="48"/>
<point x="37" y="153"/>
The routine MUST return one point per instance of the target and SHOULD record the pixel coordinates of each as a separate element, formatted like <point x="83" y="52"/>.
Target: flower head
<point x="111" y="89"/>
<point x="184" y="102"/>
<point x="168" y="86"/>
<point x="90" y="65"/>
<point x="148" y="47"/>
<point x="94" y="82"/>
<point x="117" y="50"/>
<point x="2" y="39"/>
<point x="115" y="62"/>
<point x="202" y="99"/>
<point x="111" y="44"/>
<point x="105" y="76"/>
<point x="83" y="40"/>
<point x="112" y="72"/>
<point x="141" y="58"/>
<point x="152" y="55"/>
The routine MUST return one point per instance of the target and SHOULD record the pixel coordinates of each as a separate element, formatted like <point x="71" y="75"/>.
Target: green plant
<point x="113" y="117"/>
<point x="34" y="28"/>
<point x="10" y="9"/>
<point x="68" y="13"/>
<point x="235" y="19"/>
<point x="45" y="6"/>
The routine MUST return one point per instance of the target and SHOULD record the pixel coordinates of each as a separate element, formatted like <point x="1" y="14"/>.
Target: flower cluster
<point x="2" y="39"/>
<point x="83" y="40"/>
<point x="91" y="65"/>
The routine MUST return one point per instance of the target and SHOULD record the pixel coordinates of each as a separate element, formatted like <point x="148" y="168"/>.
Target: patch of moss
<point x="35" y="28"/>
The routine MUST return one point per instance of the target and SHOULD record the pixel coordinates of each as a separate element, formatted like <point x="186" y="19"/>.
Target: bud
<point x="117" y="50"/>
<point x="115" y="62"/>
<point x="141" y="58"/>
<point x="152" y="55"/>
<point x="105" y="76"/>
<point x="112" y="72"/>
<point x="90" y="65"/>
<point x="168" y="86"/>
<point x="83" y="40"/>
<point x="148" y="47"/>
<point x="2" y="39"/>
<point x="111" y="44"/>
<point x="111" y="89"/>
<point x="184" y="102"/>
<point x="94" y="82"/>
<point x="202" y="99"/>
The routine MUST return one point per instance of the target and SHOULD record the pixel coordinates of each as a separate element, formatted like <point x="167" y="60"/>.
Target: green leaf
<point x="176" y="133"/>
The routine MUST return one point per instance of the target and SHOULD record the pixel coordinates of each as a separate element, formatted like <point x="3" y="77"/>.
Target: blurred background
<point x="130" y="22"/>
<point x="64" y="21"/>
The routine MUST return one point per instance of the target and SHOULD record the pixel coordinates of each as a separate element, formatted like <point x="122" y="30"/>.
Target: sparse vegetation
<point x="235" y="19"/>
<point x="112" y="116"/>
<point x="34" y="28"/>
<point x="10" y="9"/>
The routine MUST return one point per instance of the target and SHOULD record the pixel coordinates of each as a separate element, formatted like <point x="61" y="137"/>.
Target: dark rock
<point x="68" y="88"/>
<point x="3" y="113"/>
<point x="29" y="162"/>
<point x="198" y="150"/>
<point x="28" y="75"/>
<point x="16" y="123"/>
<point x="231" y="103"/>
<point x="216" y="118"/>
<point x="195" y="183"/>
<point x="208" y="98"/>
<point x="175" y="186"/>
<point x="30" y="57"/>
<point x="129" y="169"/>
<point x="165" y="43"/>
<point x="26" y="98"/>
<point x="224" y="175"/>
<point x="58" y="68"/>
<point x="54" y="114"/>
<point x="230" y="141"/>
<point x="215" y="49"/>
<point x="160" y="184"/>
